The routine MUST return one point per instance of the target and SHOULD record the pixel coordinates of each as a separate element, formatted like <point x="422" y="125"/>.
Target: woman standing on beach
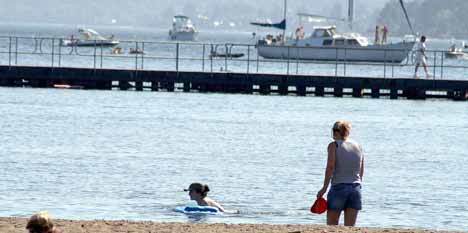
<point x="198" y="192"/>
<point x="345" y="168"/>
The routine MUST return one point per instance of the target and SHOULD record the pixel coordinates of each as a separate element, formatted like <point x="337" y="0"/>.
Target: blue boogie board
<point x="197" y="210"/>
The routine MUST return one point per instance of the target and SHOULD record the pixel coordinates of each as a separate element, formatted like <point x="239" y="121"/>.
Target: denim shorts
<point x="343" y="196"/>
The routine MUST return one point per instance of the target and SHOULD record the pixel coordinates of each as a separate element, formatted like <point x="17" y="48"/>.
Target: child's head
<point x="40" y="223"/>
<point x="197" y="189"/>
<point x="423" y="38"/>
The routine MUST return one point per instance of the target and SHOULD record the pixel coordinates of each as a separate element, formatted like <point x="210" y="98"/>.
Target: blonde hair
<point x="40" y="222"/>
<point x="342" y="127"/>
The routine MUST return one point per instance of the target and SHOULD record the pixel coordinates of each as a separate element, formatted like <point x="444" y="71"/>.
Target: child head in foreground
<point x="41" y="222"/>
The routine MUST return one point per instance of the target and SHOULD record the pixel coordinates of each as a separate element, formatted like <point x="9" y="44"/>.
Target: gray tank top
<point x="347" y="163"/>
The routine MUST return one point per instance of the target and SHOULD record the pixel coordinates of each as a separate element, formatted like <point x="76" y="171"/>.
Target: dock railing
<point x="213" y="57"/>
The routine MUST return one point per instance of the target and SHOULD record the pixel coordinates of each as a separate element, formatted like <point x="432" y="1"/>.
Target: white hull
<point x="392" y="53"/>
<point x="454" y="55"/>
<point x="88" y="43"/>
<point x="183" y="36"/>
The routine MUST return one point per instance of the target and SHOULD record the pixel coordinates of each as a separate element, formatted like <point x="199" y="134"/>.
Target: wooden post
<point x="186" y="86"/>
<point x="154" y="86"/>
<point x="338" y="91"/>
<point x="170" y="87"/>
<point x="265" y="89"/>
<point x="139" y="85"/>
<point x="104" y="85"/>
<point x="393" y="93"/>
<point x="301" y="90"/>
<point x="357" y="92"/>
<point x="319" y="91"/>
<point x="415" y="93"/>
<point x="283" y="89"/>
<point x="375" y="92"/>
<point x="248" y="88"/>
<point x="124" y="85"/>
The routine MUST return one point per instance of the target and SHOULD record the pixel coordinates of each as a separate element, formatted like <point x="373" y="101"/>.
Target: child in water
<point x="198" y="192"/>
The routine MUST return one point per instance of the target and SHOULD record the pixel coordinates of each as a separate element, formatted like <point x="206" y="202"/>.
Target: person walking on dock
<point x="345" y="169"/>
<point x="421" y="57"/>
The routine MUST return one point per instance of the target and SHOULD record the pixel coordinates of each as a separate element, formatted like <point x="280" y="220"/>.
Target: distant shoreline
<point x="17" y="225"/>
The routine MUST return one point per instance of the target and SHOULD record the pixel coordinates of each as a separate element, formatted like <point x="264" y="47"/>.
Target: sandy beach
<point x="17" y="225"/>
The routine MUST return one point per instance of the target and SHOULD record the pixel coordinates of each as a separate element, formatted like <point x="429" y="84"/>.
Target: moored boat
<point x="454" y="52"/>
<point x="182" y="29"/>
<point x="325" y="44"/>
<point x="89" y="37"/>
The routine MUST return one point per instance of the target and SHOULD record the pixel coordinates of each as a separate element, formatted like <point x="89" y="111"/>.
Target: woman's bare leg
<point x="350" y="217"/>
<point x="333" y="217"/>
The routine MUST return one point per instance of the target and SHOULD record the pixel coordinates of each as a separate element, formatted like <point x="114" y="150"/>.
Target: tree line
<point x="436" y="18"/>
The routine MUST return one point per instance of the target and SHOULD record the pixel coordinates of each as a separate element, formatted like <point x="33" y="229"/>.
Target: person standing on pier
<point x="421" y="57"/>
<point x="345" y="169"/>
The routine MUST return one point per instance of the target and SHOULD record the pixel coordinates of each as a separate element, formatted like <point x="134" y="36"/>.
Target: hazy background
<point x="233" y="14"/>
<point x="436" y="18"/>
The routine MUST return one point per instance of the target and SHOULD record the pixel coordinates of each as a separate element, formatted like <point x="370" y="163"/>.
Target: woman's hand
<point x="321" y="192"/>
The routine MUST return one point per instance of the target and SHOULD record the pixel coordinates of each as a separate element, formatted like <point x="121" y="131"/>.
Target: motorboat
<point x="89" y="37"/>
<point x="454" y="52"/>
<point x="326" y="44"/>
<point x="182" y="29"/>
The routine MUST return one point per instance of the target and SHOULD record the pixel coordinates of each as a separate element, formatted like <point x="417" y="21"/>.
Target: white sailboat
<point x="326" y="44"/>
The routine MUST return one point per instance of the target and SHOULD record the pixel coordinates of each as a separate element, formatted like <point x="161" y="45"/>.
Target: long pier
<point x="228" y="82"/>
<point x="192" y="67"/>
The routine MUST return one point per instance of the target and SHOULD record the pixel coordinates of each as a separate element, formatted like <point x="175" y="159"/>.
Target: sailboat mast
<point x="284" y="18"/>
<point x="350" y="13"/>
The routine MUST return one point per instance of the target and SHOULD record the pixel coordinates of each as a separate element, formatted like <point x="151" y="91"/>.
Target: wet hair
<point x="203" y="189"/>
<point x="40" y="222"/>
<point x="342" y="127"/>
<point x="423" y="38"/>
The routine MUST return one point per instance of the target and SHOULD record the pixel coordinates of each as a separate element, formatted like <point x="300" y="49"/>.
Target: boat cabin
<point x="320" y="32"/>
<point x="341" y="42"/>
<point x="181" y="22"/>
<point x="326" y="36"/>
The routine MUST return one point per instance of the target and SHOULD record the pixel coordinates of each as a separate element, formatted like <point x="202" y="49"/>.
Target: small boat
<point x="227" y="54"/>
<point x="67" y="86"/>
<point x="454" y="52"/>
<point x="89" y="37"/>
<point x="136" y="51"/>
<point x="182" y="29"/>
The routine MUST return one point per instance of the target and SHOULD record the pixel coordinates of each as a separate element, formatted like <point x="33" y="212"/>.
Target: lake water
<point x="128" y="155"/>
